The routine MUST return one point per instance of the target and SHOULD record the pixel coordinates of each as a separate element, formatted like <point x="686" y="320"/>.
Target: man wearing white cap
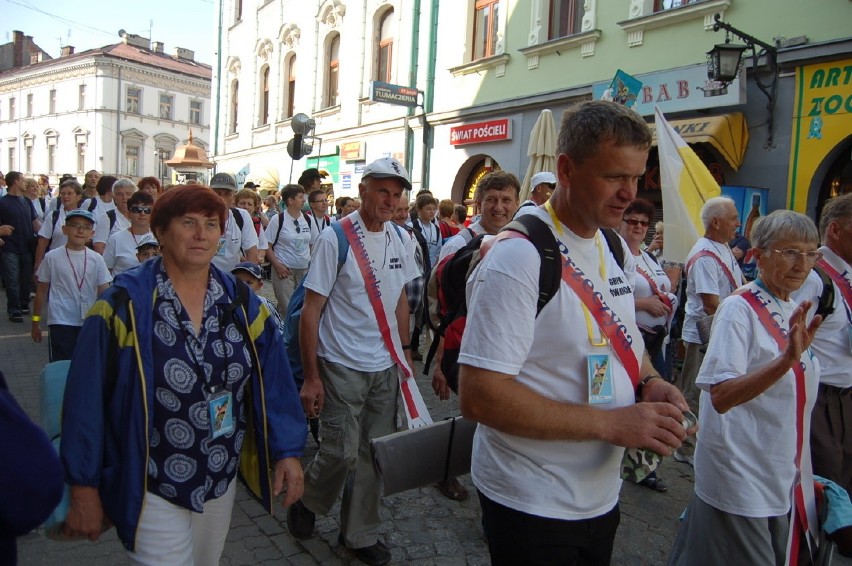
<point x="350" y="372"/>
<point x="542" y="185"/>
<point x="239" y="238"/>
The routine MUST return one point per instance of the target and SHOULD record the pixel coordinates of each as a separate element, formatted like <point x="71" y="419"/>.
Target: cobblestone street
<point x="421" y="527"/>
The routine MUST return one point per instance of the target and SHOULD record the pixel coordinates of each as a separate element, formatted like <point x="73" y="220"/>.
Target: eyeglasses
<point x="792" y="255"/>
<point x="79" y="227"/>
<point x="141" y="209"/>
<point x="632" y="222"/>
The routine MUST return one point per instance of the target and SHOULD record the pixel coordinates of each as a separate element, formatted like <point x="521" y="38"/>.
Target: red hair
<point x="186" y="199"/>
<point x="144" y="181"/>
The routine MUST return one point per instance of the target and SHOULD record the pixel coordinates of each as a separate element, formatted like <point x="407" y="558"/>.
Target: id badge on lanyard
<point x="599" y="373"/>
<point x="220" y="409"/>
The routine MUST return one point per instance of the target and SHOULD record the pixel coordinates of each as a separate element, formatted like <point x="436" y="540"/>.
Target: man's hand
<point x="6" y="230"/>
<point x="654" y="306"/>
<point x="290" y="479"/>
<point x="313" y="396"/>
<point x="85" y="513"/>
<point x="656" y="426"/>
<point x="439" y="384"/>
<point x="35" y="332"/>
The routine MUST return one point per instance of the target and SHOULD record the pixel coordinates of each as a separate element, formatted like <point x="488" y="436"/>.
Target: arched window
<point x="235" y="100"/>
<point x="384" y="47"/>
<point x="263" y="107"/>
<point x="333" y="66"/>
<point x="290" y="98"/>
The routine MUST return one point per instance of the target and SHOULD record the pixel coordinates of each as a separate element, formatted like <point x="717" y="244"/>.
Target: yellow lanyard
<point x="602" y="266"/>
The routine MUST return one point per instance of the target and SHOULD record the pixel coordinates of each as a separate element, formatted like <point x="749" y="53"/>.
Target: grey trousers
<point x="710" y="537"/>
<point x="283" y="287"/>
<point x="686" y="381"/>
<point x="358" y="406"/>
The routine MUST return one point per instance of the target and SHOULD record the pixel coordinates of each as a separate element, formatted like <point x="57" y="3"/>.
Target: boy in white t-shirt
<point x="71" y="277"/>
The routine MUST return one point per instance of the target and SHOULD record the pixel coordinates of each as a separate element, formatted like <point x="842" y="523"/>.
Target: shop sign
<point x="678" y="90"/>
<point x="353" y="151"/>
<point x="393" y="94"/>
<point x="482" y="132"/>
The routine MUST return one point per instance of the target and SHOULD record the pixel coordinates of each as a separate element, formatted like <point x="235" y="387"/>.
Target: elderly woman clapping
<point x="758" y="384"/>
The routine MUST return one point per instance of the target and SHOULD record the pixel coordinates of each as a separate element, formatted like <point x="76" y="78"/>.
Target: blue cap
<point x="80" y="212"/>
<point x="250" y="267"/>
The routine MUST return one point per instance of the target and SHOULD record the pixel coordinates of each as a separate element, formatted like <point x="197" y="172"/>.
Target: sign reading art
<point x="482" y="132"/>
<point x="353" y="151"/>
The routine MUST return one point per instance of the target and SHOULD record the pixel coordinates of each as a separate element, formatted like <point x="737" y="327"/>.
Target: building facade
<point x="120" y="109"/>
<point x="484" y="69"/>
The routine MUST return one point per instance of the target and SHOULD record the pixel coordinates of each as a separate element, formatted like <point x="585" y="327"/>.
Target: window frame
<point x="574" y="25"/>
<point x="197" y="112"/>
<point x="332" y="82"/>
<point x="490" y="45"/>
<point x="136" y="159"/>
<point x="81" y="97"/>
<point x="384" y="48"/>
<point x="29" y="108"/>
<point x="290" y="103"/>
<point x="13" y="110"/>
<point x="169" y="103"/>
<point x="51" y="101"/>
<point x="128" y="98"/>
<point x="263" y="93"/>
<point x="81" y="157"/>
<point x="233" y="105"/>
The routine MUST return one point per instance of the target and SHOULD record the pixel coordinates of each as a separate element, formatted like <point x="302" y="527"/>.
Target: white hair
<point x="714" y="208"/>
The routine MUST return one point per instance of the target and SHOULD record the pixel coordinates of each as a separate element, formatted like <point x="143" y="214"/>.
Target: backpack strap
<point x="825" y="305"/>
<point x="238" y="217"/>
<point x="53" y="223"/>
<point x="550" y="272"/>
<point x="613" y="240"/>
<point x="342" y="245"/>
<point x="93" y="204"/>
<point x="111" y="215"/>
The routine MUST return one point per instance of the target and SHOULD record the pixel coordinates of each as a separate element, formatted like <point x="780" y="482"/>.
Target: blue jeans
<point x="17" y="277"/>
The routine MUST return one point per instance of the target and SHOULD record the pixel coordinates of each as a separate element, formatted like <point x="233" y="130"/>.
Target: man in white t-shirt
<point x="712" y="273"/>
<point x="239" y="239"/>
<point x="552" y="396"/>
<point x="831" y="435"/>
<point x="350" y="377"/>
<point x="542" y="185"/>
<point x="289" y="250"/>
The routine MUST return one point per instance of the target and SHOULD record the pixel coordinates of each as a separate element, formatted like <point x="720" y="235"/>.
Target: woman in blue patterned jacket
<point x="180" y="379"/>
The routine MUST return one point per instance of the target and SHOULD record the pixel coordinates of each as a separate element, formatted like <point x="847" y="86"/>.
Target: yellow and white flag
<point x="687" y="184"/>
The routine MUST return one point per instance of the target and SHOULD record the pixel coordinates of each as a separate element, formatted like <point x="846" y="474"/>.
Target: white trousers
<point x="169" y="535"/>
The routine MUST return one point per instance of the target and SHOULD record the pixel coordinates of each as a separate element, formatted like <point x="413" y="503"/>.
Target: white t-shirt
<point x="706" y="276"/>
<point x="832" y="342"/>
<point x="348" y="331"/>
<point x="120" y="252"/>
<point x="106" y="205"/>
<point x="318" y="224"/>
<point x="234" y="240"/>
<point x="642" y="289"/>
<point x="293" y="246"/>
<point x="38" y="208"/>
<point x="460" y="240"/>
<point x="72" y="291"/>
<point x="558" y="479"/>
<point x="432" y="234"/>
<point x="744" y="459"/>
<point x="121" y="223"/>
<point x="53" y="232"/>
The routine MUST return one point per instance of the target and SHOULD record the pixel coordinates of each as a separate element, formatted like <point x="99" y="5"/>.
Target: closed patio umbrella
<point x="541" y="150"/>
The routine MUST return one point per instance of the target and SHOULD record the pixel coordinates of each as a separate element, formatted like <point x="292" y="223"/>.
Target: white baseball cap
<point x="543" y="177"/>
<point x="387" y="167"/>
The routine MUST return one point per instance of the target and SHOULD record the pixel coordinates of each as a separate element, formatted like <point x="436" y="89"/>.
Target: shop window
<point x="384" y="47"/>
<point x="485" y="19"/>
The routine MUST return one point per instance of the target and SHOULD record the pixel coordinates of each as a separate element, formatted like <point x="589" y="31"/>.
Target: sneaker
<point x="683" y="458"/>
<point x="655" y="483"/>
<point x="16" y="316"/>
<point x="25" y="310"/>
<point x="300" y="521"/>
<point x="375" y="555"/>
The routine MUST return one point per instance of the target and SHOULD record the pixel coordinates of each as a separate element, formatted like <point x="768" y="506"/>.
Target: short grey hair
<point x="122" y="183"/>
<point x="714" y="208"/>
<point x="589" y="124"/>
<point x="783" y="225"/>
<point x="837" y="209"/>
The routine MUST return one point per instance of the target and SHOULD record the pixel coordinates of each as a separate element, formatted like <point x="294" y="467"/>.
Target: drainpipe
<point x="412" y="82"/>
<point x="218" y="83"/>
<point x="364" y="45"/>
<point x="118" y="128"/>
<point x="429" y="95"/>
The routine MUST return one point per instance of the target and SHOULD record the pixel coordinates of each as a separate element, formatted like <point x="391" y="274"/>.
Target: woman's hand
<point x="801" y="335"/>
<point x="653" y="306"/>
<point x="289" y="479"/>
<point x="85" y="513"/>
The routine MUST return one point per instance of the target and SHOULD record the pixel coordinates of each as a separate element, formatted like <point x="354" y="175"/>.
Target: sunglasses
<point x="141" y="209"/>
<point x="298" y="228"/>
<point x="632" y="222"/>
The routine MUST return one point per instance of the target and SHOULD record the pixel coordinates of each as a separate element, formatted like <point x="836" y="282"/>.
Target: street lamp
<point x="724" y="63"/>
<point x="162" y="154"/>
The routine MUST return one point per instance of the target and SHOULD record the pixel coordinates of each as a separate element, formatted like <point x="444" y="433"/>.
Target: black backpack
<point x="446" y="300"/>
<point x="825" y="304"/>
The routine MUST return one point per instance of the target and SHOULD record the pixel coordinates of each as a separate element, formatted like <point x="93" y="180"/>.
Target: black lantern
<point x="724" y="61"/>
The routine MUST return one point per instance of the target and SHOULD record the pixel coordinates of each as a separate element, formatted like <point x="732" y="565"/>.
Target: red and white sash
<point x="804" y="516"/>
<point x="841" y="282"/>
<point x="415" y="409"/>
<point x="725" y="269"/>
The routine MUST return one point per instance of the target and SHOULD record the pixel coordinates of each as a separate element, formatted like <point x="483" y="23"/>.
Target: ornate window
<point x="384" y="46"/>
<point x="133" y="102"/>
<point x="235" y="103"/>
<point x="29" y="105"/>
<point x="332" y="71"/>
<point x="52" y="102"/>
<point x="11" y="107"/>
<point x="263" y="93"/>
<point x="81" y="97"/>
<point x="566" y="18"/>
<point x="195" y="109"/>
<point x="290" y="94"/>
<point x="167" y="107"/>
